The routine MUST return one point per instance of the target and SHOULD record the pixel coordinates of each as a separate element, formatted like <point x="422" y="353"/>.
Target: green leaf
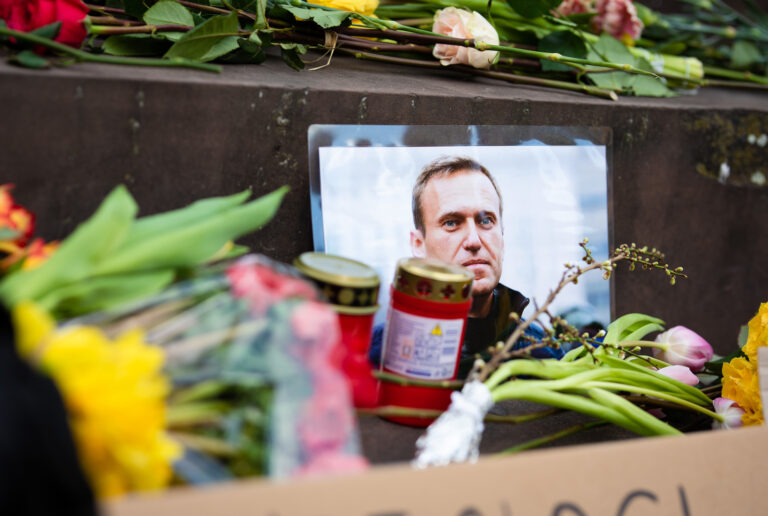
<point x="262" y="37"/>
<point x="291" y="57"/>
<point x="562" y="42"/>
<point x="249" y="45"/>
<point x="301" y="49"/>
<point x="743" y="335"/>
<point x="135" y="8"/>
<point x="168" y="12"/>
<point x="93" y="240"/>
<point x="630" y="324"/>
<point x="170" y="36"/>
<point x="640" y="331"/>
<point x="103" y="292"/>
<point x="249" y="52"/>
<point x="649" y="86"/>
<point x="134" y="45"/>
<point x="161" y="224"/>
<point x="744" y="54"/>
<point x="209" y="40"/>
<point x="716" y="366"/>
<point x="49" y="31"/>
<point x="29" y="59"/>
<point x="193" y="243"/>
<point x="610" y="49"/>
<point x="325" y="19"/>
<point x="533" y="8"/>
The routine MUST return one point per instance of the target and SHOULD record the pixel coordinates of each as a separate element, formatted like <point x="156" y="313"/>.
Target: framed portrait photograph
<point x="547" y="189"/>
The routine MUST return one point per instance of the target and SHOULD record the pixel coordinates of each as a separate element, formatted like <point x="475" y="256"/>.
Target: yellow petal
<point x="32" y="325"/>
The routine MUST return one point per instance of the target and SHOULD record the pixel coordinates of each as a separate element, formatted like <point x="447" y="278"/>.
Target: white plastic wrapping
<point x="455" y="435"/>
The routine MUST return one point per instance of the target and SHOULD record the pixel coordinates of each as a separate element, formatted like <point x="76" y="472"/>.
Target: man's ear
<point x="417" y="244"/>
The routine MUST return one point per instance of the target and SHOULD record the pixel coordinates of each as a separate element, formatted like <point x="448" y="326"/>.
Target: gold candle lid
<point x="433" y="280"/>
<point x="351" y="286"/>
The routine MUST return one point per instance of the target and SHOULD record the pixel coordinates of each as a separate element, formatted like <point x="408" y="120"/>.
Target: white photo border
<point x="361" y="178"/>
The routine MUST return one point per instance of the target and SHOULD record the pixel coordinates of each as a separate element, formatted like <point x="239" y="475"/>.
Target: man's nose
<point x="472" y="238"/>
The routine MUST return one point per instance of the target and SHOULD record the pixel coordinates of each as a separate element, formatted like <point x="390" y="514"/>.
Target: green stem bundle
<point x="80" y="55"/>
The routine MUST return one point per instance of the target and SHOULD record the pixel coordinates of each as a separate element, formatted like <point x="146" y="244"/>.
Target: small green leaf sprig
<point x="502" y="351"/>
<point x="605" y="379"/>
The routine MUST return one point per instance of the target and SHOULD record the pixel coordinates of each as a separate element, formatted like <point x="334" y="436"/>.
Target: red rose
<point x="28" y="15"/>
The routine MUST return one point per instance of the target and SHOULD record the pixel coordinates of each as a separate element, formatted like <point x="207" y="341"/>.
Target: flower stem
<point x="519" y="79"/>
<point x="573" y="402"/>
<point x="105" y="30"/>
<point x="734" y="84"/>
<point x="393" y="411"/>
<point x="524" y="79"/>
<point x="611" y="386"/>
<point x="111" y="20"/>
<point x="751" y="34"/>
<point x="535" y="443"/>
<point x="401" y="380"/>
<point x="396" y="411"/>
<point x="731" y="74"/>
<point x="640" y="343"/>
<point x="98" y="58"/>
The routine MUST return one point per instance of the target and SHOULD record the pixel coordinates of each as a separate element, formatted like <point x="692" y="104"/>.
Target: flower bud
<point x="679" y="373"/>
<point x="459" y="23"/>
<point x="731" y="413"/>
<point x="681" y="346"/>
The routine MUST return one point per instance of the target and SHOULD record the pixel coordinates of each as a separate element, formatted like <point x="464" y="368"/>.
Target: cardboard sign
<point x="706" y="473"/>
<point x="762" y="377"/>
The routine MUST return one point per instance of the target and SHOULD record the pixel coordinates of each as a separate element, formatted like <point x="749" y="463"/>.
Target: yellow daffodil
<point x="758" y="333"/>
<point x="740" y="384"/>
<point x="115" y="395"/>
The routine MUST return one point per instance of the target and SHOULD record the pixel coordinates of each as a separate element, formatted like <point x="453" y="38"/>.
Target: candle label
<point x="422" y="347"/>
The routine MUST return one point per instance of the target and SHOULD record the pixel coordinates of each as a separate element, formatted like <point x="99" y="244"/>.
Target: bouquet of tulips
<point x="230" y="373"/>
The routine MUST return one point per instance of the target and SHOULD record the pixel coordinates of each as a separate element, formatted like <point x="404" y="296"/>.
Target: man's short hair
<point x="445" y="166"/>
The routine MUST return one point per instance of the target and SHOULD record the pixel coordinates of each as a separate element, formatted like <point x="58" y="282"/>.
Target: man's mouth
<point x="470" y="263"/>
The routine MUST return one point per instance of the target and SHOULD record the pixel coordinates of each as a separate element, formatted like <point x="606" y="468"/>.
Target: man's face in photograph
<point x="462" y="225"/>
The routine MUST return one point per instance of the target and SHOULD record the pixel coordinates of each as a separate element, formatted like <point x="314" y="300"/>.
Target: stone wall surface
<point x="70" y="135"/>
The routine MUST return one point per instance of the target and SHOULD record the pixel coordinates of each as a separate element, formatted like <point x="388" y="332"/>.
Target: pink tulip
<point x="731" y="413"/>
<point x="681" y="346"/>
<point x="679" y="373"/>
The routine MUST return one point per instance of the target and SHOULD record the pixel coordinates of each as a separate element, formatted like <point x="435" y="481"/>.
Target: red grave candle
<point x="425" y="327"/>
<point x="352" y="288"/>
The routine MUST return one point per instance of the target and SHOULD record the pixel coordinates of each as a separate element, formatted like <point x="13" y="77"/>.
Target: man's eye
<point x="450" y="224"/>
<point x="486" y="221"/>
